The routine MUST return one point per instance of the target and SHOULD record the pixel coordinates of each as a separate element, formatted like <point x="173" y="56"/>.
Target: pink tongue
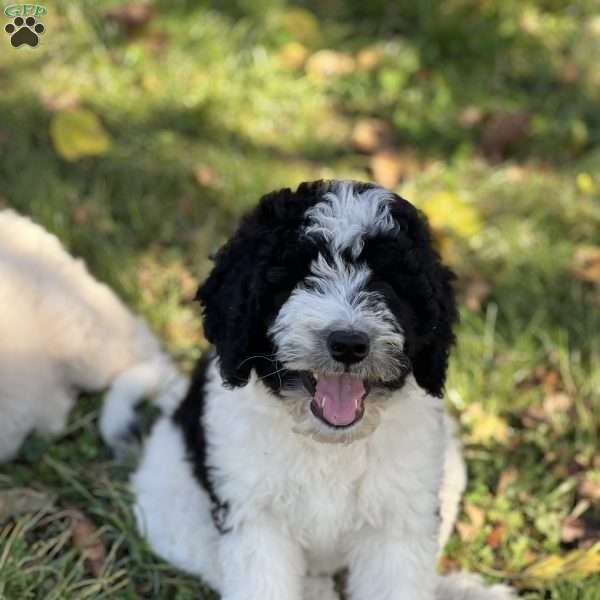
<point x="340" y="397"/>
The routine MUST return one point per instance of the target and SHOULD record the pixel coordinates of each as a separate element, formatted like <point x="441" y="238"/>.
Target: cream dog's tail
<point x="157" y="379"/>
<point x="468" y="586"/>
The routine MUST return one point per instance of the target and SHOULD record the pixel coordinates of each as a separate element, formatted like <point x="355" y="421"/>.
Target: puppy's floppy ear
<point x="430" y="363"/>
<point x="418" y="274"/>
<point x="254" y="273"/>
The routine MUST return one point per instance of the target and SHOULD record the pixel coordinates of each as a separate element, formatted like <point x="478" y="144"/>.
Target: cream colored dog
<point x="61" y="333"/>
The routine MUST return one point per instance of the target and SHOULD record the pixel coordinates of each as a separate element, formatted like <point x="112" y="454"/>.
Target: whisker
<point x="276" y="372"/>
<point x="265" y="356"/>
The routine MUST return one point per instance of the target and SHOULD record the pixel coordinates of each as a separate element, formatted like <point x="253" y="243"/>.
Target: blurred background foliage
<point x="139" y="133"/>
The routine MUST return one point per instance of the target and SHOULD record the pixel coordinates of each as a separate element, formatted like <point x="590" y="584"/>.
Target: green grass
<point x="204" y="116"/>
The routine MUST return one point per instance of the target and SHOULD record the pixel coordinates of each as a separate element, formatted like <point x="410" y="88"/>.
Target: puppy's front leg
<point x="261" y="562"/>
<point x="386" y="568"/>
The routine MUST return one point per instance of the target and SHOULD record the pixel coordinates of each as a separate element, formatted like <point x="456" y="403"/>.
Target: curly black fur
<point x="189" y="416"/>
<point x="254" y="274"/>
<point x="256" y="271"/>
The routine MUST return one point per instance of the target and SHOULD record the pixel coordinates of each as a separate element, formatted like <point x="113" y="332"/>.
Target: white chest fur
<point x="325" y="494"/>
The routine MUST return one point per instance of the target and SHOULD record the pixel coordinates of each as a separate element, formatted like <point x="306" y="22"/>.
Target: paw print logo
<point x="24" y="31"/>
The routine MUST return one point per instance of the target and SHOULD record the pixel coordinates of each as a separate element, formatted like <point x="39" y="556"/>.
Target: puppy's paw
<point x="469" y="586"/>
<point x="319" y="588"/>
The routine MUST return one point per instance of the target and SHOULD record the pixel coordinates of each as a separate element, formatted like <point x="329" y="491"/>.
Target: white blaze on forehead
<point x="344" y="218"/>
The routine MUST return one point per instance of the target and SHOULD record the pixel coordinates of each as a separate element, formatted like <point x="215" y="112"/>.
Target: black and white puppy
<point x="314" y="438"/>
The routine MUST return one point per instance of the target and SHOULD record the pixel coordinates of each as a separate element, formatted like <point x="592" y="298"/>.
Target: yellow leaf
<point x="585" y="183"/>
<point x="447" y="212"/>
<point x="574" y="565"/>
<point x="326" y="64"/>
<point x="485" y="427"/>
<point x="292" y="56"/>
<point x="78" y="133"/>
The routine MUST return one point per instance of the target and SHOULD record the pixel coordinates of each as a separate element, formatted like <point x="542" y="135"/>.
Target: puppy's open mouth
<point x="337" y="400"/>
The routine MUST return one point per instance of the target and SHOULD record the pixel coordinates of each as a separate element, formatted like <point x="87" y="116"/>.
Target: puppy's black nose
<point x="348" y="347"/>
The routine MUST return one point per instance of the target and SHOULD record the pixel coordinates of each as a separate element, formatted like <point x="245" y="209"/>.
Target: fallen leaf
<point x="468" y="530"/>
<point x="557" y="403"/>
<point x="495" y="537"/>
<point x="575" y="565"/>
<point x="484" y="427"/>
<point x="446" y="211"/>
<point x="516" y="173"/>
<point x="448" y="564"/>
<point x="503" y="131"/>
<point x="78" y="133"/>
<point x="470" y="116"/>
<point x="207" y="177"/>
<point x="389" y="167"/>
<point x="506" y="479"/>
<point x="546" y="377"/>
<point x="130" y="17"/>
<point x="371" y="135"/>
<point x="329" y="63"/>
<point x="292" y="56"/>
<point x="18" y="501"/>
<point x="586" y="265"/>
<point x="368" y="59"/>
<point x="475" y="294"/>
<point x="589" y="487"/>
<point x="529" y="556"/>
<point x="551" y="380"/>
<point x="585" y="183"/>
<point x="66" y="100"/>
<point x="87" y="541"/>
<point x="572" y="529"/>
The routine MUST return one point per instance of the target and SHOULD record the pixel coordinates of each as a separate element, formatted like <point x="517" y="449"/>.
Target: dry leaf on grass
<point x="371" y="135"/>
<point x="572" y="529"/>
<point x="589" y="488"/>
<point x="484" y="427"/>
<point x="506" y="479"/>
<point x="207" y="177"/>
<point x="60" y="101"/>
<point x="554" y="404"/>
<point x="292" y="56"/>
<point x="78" y="133"/>
<point x="504" y="131"/>
<point x="368" y="59"/>
<point x="389" y="167"/>
<point x="470" y="116"/>
<point x="495" y="537"/>
<point x="87" y="541"/>
<point x="586" y="265"/>
<point x="572" y="566"/>
<point x="447" y="211"/>
<point x="329" y="63"/>
<point x="18" y="501"/>
<point x="130" y="17"/>
<point x="476" y="293"/>
<point x="547" y="377"/>
<point x="557" y="403"/>
<point x="468" y="530"/>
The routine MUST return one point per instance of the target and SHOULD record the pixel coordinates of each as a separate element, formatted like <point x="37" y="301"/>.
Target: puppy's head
<point x="331" y="295"/>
